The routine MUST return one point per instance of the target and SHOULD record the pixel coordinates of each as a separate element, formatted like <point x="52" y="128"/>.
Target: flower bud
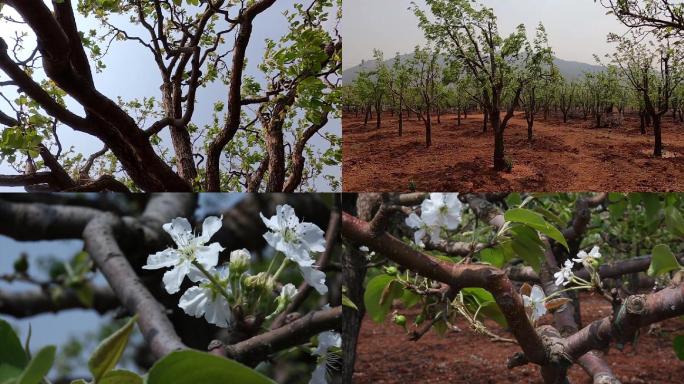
<point x="239" y="261"/>
<point x="392" y="270"/>
<point x="399" y="320"/>
<point x="261" y="280"/>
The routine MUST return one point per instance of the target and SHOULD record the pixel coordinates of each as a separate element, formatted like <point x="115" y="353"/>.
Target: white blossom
<point x="414" y="221"/>
<point x="536" y="302"/>
<point x="440" y="210"/>
<point x="205" y="299"/>
<point x="315" y="278"/>
<point x="564" y="276"/>
<point x="189" y="248"/>
<point x="326" y="340"/>
<point x="294" y="239"/>
<point x="288" y="291"/>
<point x="583" y="257"/>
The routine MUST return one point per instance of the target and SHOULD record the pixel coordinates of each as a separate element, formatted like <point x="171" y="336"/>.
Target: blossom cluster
<point x="218" y="290"/>
<point x="441" y="211"/>
<point x="565" y="275"/>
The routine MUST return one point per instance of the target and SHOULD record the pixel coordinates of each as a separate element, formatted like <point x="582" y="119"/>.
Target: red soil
<point x="385" y="355"/>
<point x="562" y="157"/>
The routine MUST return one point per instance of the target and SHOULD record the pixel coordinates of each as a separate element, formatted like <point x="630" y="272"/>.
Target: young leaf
<point x="372" y="298"/>
<point x="554" y="304"/>
<point x="662" y="261"/>
<point x="347" y="302"/>
<point x="678" y="345"/>
<point x="108" y="353"/>
<point x="38" y="367"/>
<point x="13" y="359"/>
<point x="120" y="376"/>
<point x="536" y="221"/>
<point x="526" y="289"/>
<point x="192" y="367"/>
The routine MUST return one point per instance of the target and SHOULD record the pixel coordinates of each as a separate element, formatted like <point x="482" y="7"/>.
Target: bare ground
<point x="385" y="356"/>
<point x="562" y="157"/>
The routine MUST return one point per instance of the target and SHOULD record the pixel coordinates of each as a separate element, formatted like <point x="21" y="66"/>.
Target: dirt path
<point x="385" y="356"/>
<point x="562" y="157"/>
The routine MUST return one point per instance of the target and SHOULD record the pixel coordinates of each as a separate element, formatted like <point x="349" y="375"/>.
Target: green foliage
<point x="191" y="367"/>
<point x="13" y="359"/>
<point x="662" y="261"/>
<point x="678" y="345"/>
<point x="38" y="367"/>
<point x="536" y="221"/>
<point x="380" y="291"/>
<point x="107" y="354"/>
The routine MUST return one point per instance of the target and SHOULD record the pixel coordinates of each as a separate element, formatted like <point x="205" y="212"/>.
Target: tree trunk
<point x="378" y="113"/>
<point x="642" y="122"/>
<point x="428" y="128"/>
<point x="401" y="117"/>
<point x="530" y="123"/>
<point x="484" y="126"/>
<point x="458" y="117"/>
<point x="499" y="155"/>
<point x="365" y="120"/>
<point x="658" y="148"/>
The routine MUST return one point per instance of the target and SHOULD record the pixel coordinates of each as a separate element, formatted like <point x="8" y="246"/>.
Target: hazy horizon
<point x="577" y="29"/>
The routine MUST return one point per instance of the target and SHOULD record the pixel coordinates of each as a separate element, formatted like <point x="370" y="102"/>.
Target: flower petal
<point x="318" y="376"/>
<point x="271" y="223"/>
<point x="180" y="230"/>
<point x="208" y="255"/>
<point x="311" y="236"/>
<point x="173" y="278"/>
<point x="162" y="259"/>
<point x="194" y="301"/>
<point x="210" y="226"/>
<point x="218" y="313"/>
<point x="314" y="278"/>
<point x="413" y="221"/>
<point x="286" y="216"/>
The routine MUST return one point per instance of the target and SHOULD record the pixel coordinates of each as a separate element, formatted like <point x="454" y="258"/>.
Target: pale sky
<point x="577" y="29"/>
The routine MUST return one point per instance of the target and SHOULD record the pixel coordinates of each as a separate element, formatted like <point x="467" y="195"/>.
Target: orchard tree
<point x="468" y="32"/>
<point x="212" y="298"/>
<point x="655" y="73"/>
<point x="400" y="75"/>
<point x="191" y="44"/>
<point x="426" y="74"/>
<point x="519" y="260"/>
<point x="664" y="18"/>
<point x="567" y="93"/>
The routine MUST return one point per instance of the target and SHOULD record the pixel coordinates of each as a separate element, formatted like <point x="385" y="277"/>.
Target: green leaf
<point x="536" y="221"/>
<point x="120" y="376"/>
<point x="652" y="206"/>
<point x="379" y="295"/>
<point x="674" y="221"/>
<point x="38" y="367"/>
<point x="108" y="353"/>
<point x="526" y="244"/>
<point x="347" y="302"/>
<point x="489" y="307"/>
<point x="493" y="256"/>
<point x="662" y="261"/>
<point x="678" y="345"/>
<point x="192" y="367"/>
<point x="13" y="358"/>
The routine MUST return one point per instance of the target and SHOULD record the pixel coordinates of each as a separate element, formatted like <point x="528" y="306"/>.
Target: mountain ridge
<point x="570" y="69"/>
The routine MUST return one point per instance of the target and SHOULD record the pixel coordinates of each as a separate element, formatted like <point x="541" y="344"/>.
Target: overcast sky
<point x="577" y="29"/>
<point x="132" y="73"/>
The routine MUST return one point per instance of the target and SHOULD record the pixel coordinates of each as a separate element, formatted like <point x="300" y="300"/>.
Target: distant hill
<point x="571" y="70"/>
